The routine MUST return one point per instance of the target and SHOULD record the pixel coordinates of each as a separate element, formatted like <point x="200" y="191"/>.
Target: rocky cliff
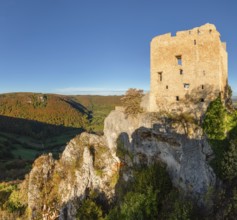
<point x="93" y="163"/>
<point x="179" y="144"/>
<point x="56" y="187"/>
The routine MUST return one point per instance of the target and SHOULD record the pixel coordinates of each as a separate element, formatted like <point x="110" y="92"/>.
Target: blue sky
<point x="77" y="46"/>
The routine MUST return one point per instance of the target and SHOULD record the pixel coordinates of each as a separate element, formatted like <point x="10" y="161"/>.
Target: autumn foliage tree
<point x="132" y="100"/>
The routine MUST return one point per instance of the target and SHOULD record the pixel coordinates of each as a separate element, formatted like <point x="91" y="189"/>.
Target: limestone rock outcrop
<point x="93" y="163"/>
<point x="149" y="139"/>
<point x="56" y="187"/>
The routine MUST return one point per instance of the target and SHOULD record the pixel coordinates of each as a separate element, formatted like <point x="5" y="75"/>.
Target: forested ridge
<point x="51" y="109"/>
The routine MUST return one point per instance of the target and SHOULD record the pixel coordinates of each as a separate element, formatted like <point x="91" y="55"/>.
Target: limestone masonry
<point x="192" y="64"/>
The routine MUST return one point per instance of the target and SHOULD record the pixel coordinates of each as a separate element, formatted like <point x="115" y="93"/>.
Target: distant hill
<point x="89" y="100"/>
<point x="234" y="98"/>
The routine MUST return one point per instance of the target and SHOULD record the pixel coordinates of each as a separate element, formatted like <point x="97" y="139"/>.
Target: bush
<point x="132" y="100"/>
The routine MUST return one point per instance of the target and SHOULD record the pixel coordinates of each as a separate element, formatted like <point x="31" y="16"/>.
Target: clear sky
<point x="77" y="46"/>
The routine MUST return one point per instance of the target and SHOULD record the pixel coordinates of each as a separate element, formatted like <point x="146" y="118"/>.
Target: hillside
<point x="145" y="167"/>
<point x="51" y="109"/>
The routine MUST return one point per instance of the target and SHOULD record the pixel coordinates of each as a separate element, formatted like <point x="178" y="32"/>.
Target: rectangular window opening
<point x="177" y="98"/>
<point x="160" y="76"/>
<point x="202" y="100"/>
<point x="181" y="72"/>
<point x="186" y="85"/>
<point x="167" y="87"/>
<point x="179" y="60"/>
<point x="195" y="42"/>
<point x="202" y="86"/>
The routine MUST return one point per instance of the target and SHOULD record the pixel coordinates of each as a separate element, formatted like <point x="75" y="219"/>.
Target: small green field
<point x="99" y="113"/>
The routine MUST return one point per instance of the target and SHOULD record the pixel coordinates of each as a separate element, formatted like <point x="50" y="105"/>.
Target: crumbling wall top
<point x="204" y="29"/>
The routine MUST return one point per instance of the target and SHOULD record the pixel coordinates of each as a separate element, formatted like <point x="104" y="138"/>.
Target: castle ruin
<point x="189" y="66"/>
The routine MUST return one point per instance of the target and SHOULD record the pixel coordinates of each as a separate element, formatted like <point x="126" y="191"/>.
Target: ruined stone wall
<point x="192" y="64"/>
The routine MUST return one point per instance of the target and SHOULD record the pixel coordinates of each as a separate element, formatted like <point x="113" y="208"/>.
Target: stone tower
<point x="189" y="66"/>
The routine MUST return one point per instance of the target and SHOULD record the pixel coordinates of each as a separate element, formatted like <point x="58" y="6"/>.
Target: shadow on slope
<point x="23" y="140"/>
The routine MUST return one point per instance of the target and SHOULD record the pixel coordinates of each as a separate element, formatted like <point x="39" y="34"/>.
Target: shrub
<point x="5" y="192"/>
<point x="14" y="202"/>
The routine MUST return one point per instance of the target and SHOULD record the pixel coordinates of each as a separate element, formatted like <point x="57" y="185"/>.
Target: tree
<point x="214" y="121"/>
<point x="89" y="210"/>
<point x="132" y="100"/>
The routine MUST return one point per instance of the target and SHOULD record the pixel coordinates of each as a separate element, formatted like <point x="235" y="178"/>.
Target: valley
<point x="35" y="124"/>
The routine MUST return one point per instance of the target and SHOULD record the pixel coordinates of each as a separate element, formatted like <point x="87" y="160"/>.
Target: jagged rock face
<point x="185" y="155"/>
<point x="41" y="173"/>
<point x="55" y="187"/>
<point x="185" y="158"/>
<point x="94" y="168"/>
